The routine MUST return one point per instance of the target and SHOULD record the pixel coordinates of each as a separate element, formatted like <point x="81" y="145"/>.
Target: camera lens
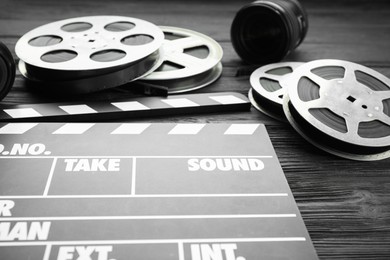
<point x="7" y="70"/>
<point x="266" y="31"/>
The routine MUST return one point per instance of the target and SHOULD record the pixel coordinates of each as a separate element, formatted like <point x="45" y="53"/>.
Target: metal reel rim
<point x="300" y="105"/>
<point x="23" y="49"/>
<point x="215" y="55"/>
<point x="283" y="81"/>
<point x="338" y="152"/>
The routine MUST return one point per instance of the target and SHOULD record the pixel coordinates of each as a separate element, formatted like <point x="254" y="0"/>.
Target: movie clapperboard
<point x="115" y="191"/>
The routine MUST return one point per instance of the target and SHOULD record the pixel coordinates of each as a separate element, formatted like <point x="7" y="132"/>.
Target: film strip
<point x="123" y="109"/>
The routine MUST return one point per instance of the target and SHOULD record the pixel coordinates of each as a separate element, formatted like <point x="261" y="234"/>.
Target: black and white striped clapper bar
<point x="130" y="108"/>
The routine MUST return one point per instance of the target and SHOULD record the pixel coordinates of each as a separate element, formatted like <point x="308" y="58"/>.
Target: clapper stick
<point x="129" y="108"/>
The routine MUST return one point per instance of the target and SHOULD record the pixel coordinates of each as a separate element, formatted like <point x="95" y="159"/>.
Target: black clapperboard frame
<point x="145" y="191"/>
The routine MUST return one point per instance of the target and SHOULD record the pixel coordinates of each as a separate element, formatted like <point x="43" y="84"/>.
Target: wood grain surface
<point x="345" y="204"/>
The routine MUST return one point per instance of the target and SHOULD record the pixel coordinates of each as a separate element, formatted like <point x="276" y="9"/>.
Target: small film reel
<point x="342" y="108"/>
<point x="7" y="70"/>
<point x="87" y="48"/>
<point x="191" y="60"/>
<point x="269" y="83"/>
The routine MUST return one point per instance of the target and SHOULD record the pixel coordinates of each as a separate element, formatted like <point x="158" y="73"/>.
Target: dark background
<point x="345" y="204"/>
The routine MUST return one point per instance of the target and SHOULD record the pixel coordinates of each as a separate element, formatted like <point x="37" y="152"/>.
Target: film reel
<point x="7" y="70"/>
<point x="342" y="108"/>
<point x="89" y="84"/>
<point x="269" y="83"/>
<point x="88" y="47"/>
<point x="191" y="61"/>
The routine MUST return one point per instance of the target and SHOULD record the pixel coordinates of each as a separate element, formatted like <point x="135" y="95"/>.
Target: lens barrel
<point x="7" y="70"/>
<point x="266" y="31"/>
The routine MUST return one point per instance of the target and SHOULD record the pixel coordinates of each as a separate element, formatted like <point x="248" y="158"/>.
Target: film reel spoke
<point x="349" y="75"/>
<point x="352" y="127"/>
<point x="278" y="94"/>
<point x="383" y="118"/>
<point x="186" y="42"/>
<point x="318" y="80"/>
<point x="317" y="103"/>
<point x="382" y="95"/>
<point x="185" y="60"/>
<point x="274" y="77"/>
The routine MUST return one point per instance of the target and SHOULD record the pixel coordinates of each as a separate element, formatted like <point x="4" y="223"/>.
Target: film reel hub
<point x="341" y="107"/>
<point x="351" y="99"/>
<point x="95" y="41"/>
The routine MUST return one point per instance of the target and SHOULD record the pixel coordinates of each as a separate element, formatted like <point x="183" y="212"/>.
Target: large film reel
<point x="61" y="53"/>
<point x="341" y="107"/>
<point x="269" y="83"/>
<point x="191" y="61"/>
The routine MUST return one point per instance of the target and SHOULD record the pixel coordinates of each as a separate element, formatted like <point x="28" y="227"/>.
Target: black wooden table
<point x="345" y="204"/>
